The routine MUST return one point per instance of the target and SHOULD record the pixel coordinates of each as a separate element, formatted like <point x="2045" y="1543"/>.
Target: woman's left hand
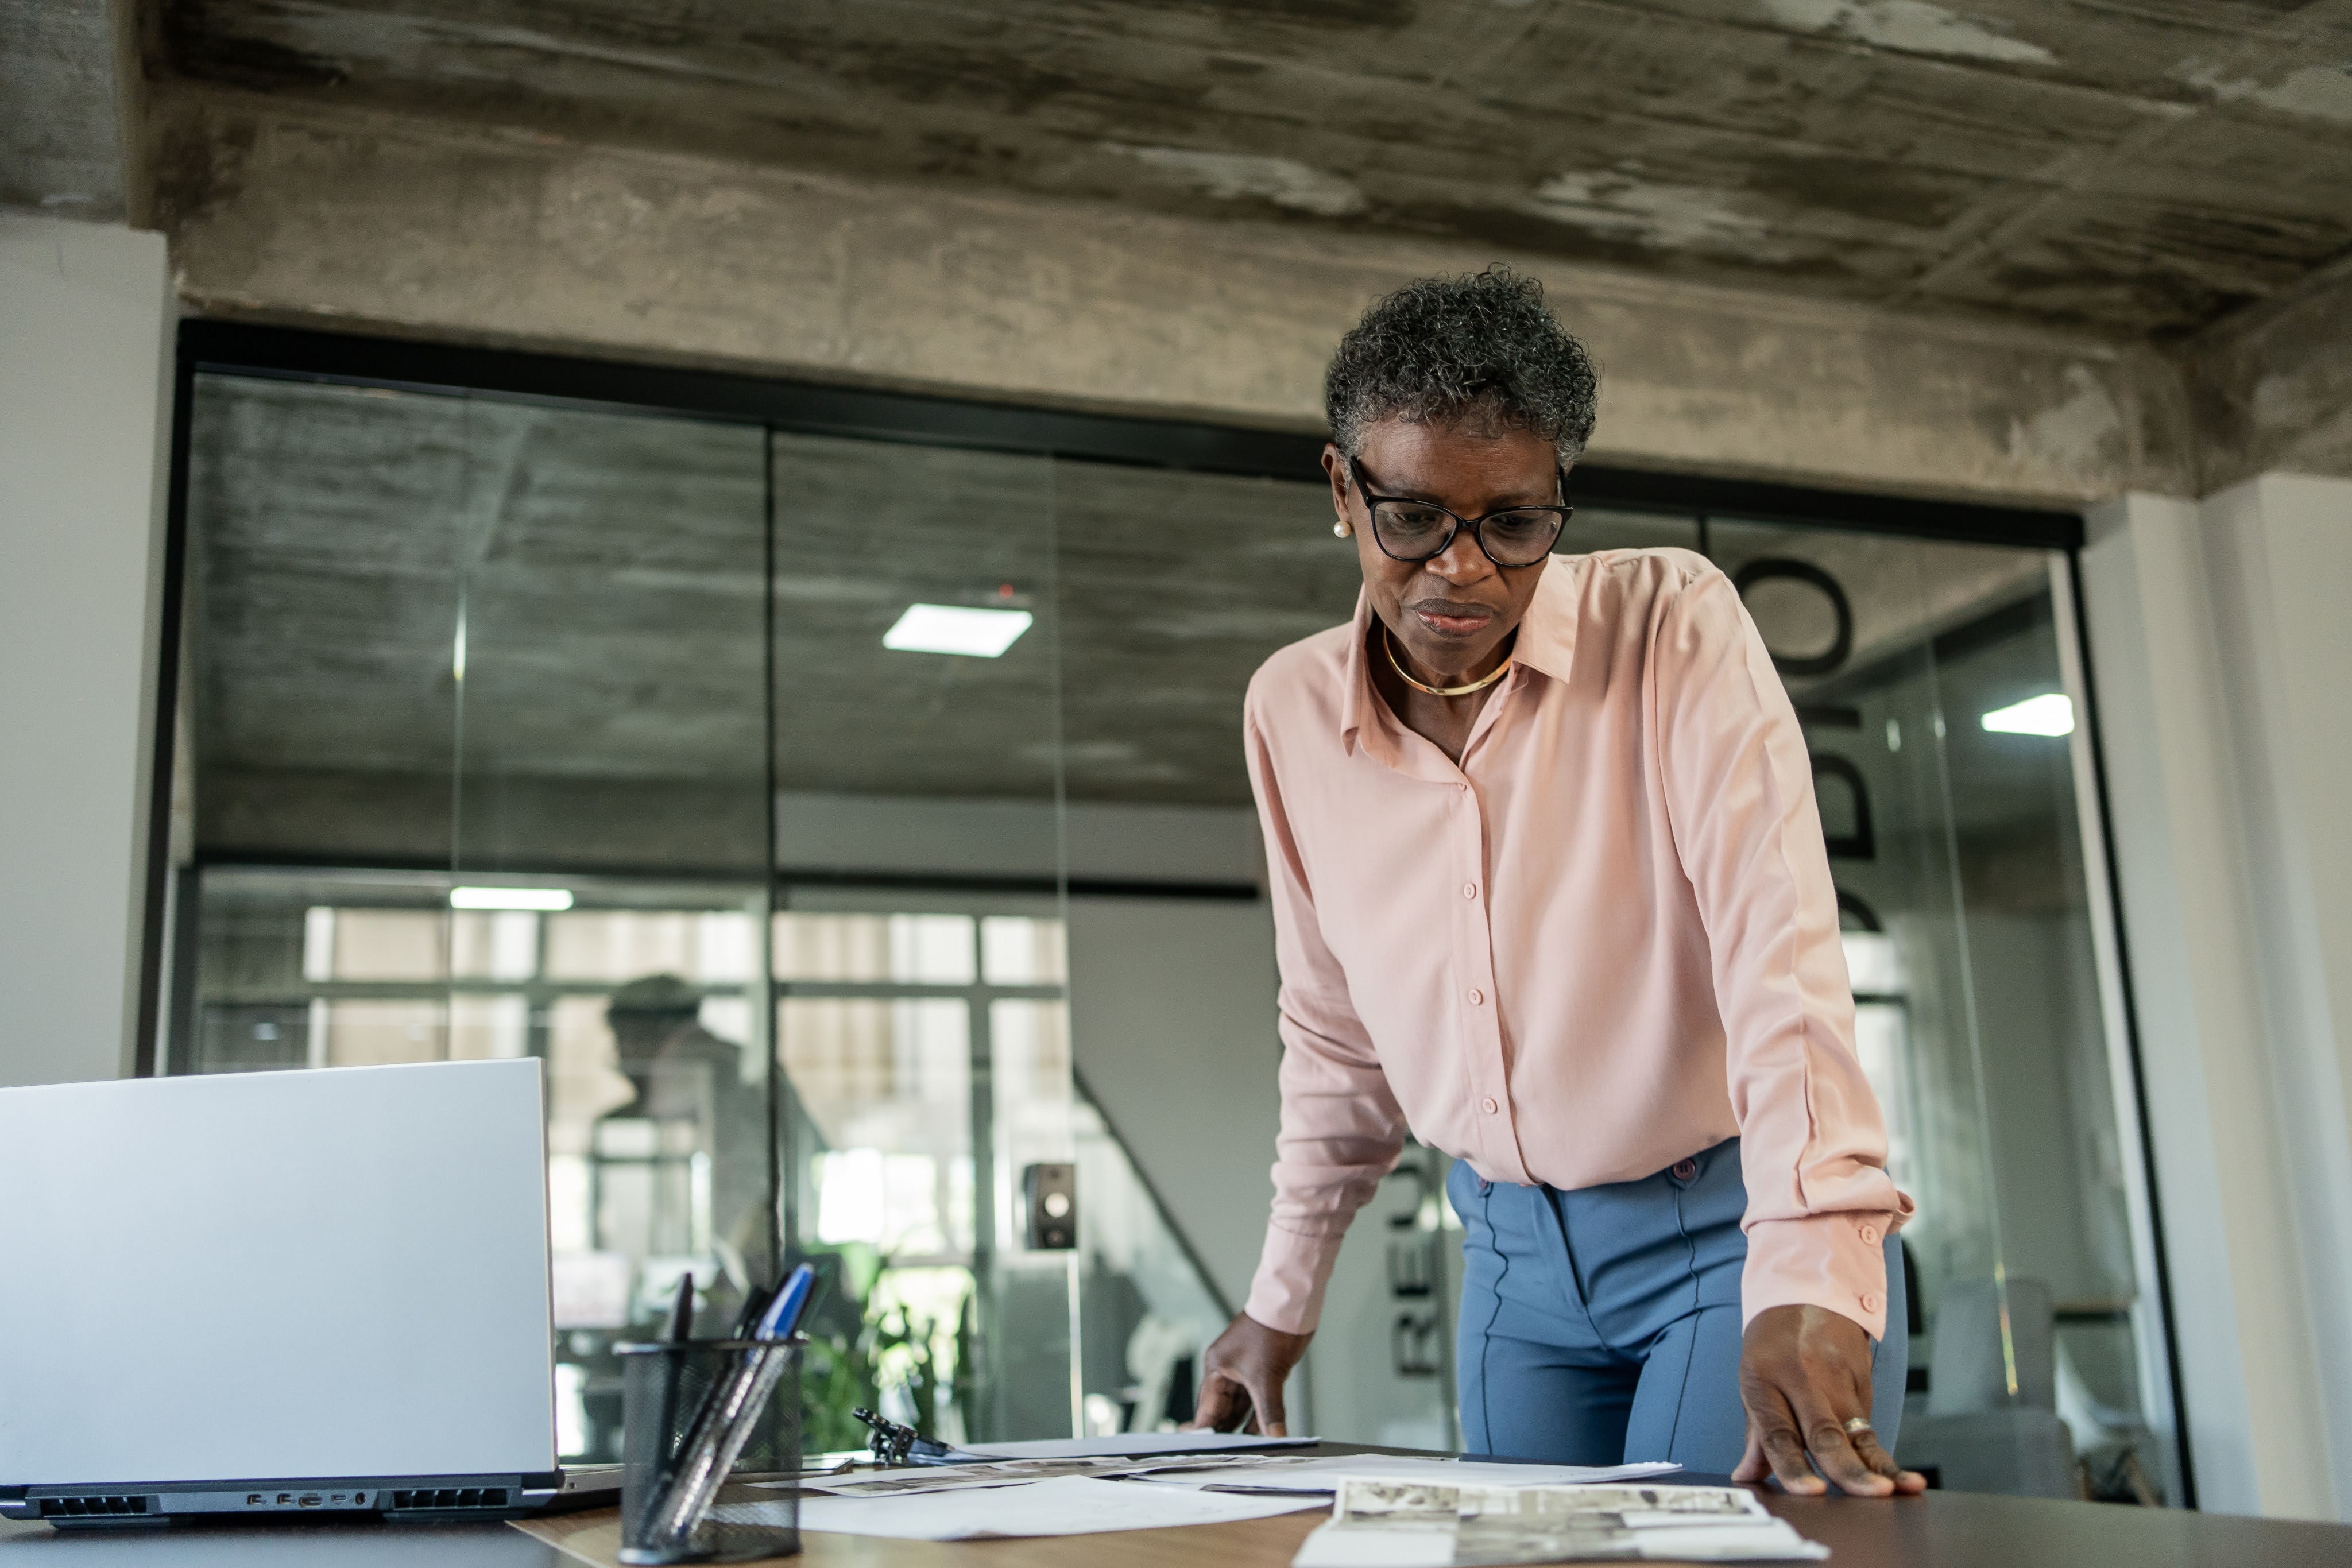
<point x="1804" y="1373"/>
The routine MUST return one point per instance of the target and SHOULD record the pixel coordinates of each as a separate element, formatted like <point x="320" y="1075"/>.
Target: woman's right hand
<point x="1242" y="1381"/>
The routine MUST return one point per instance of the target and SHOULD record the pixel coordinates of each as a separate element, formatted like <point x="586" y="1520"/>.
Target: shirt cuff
<point x="1292" y="1270"/>
<point x="1836" y="1261"/>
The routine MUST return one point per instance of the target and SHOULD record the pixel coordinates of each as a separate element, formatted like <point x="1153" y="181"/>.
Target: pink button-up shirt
<point x="1605" y="941"/>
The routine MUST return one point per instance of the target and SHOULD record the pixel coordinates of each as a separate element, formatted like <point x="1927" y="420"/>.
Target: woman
<point x="1549" y="888"/>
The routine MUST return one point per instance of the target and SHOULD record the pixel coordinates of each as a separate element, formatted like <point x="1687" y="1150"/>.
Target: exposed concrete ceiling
<point x="60" y="130"/>
<point x="2143" y="166"/>
<point x="608" y="572"/>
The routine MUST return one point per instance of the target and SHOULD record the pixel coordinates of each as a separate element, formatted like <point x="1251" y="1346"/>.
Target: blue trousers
<point x="1602" y="1326"/>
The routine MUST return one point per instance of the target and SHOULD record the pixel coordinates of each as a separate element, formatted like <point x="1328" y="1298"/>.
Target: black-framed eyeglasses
<point x="1412" y="530"/>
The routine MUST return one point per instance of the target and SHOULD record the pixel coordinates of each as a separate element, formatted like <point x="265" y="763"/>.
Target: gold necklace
<point x="1388" y="642"/>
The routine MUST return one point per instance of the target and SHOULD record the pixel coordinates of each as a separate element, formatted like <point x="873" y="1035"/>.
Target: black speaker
<point x="1052" y="1193"/>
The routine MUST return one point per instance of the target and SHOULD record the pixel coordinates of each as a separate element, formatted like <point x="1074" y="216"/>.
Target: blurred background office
<point x="721" y="550"/>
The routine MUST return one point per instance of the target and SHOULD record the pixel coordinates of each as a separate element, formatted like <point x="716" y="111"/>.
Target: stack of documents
<point x="1411" y="1524"/>
<point x="1394" y="1511"/>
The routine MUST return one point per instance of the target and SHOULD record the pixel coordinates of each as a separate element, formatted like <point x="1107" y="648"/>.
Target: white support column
<point x="86" y="324"/>
<point x="2221" y="660"/>
<point x="2279" y="548"/>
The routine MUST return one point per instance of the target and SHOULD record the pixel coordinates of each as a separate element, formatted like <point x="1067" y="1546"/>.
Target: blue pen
<point x="784" y="1313"/>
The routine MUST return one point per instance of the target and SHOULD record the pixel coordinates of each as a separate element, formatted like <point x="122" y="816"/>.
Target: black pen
<point x="679" y="1330"/>
<point x="755" y="1307"/>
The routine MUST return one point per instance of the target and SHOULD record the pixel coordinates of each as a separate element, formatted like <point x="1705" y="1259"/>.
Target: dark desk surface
<point x="24" y="1545"/>
<point x="1940" y="1529"/>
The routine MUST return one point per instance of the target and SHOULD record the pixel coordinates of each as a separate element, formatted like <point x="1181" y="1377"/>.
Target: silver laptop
<point x="279" y="1294"/>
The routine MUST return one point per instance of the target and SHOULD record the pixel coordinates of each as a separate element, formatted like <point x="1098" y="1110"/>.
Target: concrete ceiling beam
<point x="2271" y="388"/>
<point x="303" y="213"/>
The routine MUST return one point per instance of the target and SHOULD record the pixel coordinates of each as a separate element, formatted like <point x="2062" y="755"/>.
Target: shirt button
<point x="1870" y="1233"/>
<point x="1869" y="1302"/>
<point x="1469" y="890"/>
<point x="1488" y="1105"/>
<point x="1476" y="998"/>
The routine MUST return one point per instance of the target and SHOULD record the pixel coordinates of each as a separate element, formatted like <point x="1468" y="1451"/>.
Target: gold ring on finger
<point x="1856" y="1426"/>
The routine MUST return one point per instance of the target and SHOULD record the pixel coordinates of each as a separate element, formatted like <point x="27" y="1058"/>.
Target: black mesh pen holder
<point x="696" y="1419"/>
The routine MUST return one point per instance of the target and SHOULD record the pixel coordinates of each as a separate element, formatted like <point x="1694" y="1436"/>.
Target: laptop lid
<point x="340" y="1273"/>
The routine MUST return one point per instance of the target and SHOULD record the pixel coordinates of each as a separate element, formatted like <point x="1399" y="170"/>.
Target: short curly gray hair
<point x="1481" y="349"/>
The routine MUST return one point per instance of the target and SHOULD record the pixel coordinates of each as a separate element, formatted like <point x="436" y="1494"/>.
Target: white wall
<point x="2220" y="661"/>
<point x="1171" y="1022"/>
<point x="1172" y="1019"/>
<point x="86" y="323"/>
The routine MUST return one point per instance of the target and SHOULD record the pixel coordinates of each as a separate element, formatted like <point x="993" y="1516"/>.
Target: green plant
<point x="837" y="1376"/>
<point x="837" y="1372"/>
<point x="860" y="1347"/>
<point x="904" y="1349"/>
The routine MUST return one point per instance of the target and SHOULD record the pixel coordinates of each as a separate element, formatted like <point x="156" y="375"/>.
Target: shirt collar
<point x="1547" y="644"/>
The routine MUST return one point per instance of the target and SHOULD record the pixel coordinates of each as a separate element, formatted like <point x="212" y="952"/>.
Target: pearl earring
<point x="1343" y="529"/>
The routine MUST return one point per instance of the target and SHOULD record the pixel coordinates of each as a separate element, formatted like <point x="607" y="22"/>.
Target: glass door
<point x="1932" y="683"/>
<point x="478" y="735"/>
<point x="924" y="1036"/>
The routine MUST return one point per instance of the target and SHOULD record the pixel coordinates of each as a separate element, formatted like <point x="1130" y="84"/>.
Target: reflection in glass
<point x="885" y="1083"/>
<point x="1148" y="1311"/>
<point x="926" y="1086"/>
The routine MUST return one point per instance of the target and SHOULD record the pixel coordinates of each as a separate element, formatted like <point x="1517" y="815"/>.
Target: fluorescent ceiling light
<point x="2052" y="713"/>
<point x="509" y="898"/>
<point x="955" y="628"/>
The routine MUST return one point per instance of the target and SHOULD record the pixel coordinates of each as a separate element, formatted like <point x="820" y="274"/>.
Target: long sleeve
<point x="1738" y="788"/>
<point x="1341" y="1129"/>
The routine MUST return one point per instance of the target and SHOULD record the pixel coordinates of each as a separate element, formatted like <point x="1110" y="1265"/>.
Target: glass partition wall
<point x="732" y="766"/>
<point x="1944" y="718"/>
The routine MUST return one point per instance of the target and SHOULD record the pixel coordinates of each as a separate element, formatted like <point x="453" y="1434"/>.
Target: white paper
<point x="1129" y="1445"/>
<point x="1072" y="1505"/>
<point x="1326" y="1474"/>
<point x="1776" y="1541"/>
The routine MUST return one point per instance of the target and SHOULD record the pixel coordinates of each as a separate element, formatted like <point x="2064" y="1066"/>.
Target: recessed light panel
<point x="509" y="898"/>
<point x="2052" y="713"/>
<point x="956" y="629"/>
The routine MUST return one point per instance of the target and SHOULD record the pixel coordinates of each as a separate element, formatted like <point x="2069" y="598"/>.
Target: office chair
<point x="1991" y="1422"/>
